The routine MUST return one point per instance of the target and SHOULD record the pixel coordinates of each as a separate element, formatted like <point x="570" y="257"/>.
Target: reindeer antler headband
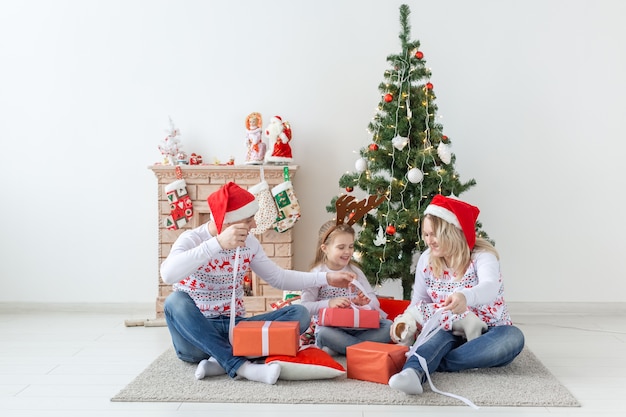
<point x="354" y="210"/>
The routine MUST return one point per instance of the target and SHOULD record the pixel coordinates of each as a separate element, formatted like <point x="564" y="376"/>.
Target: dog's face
<point x="396" y="333"/>
<point x="404" y="331"/>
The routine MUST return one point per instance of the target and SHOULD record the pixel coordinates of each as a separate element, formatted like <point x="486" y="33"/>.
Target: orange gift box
<point x="375" y="362"/>
<point x="264" y="338"/>
<point x="348" y="317"/>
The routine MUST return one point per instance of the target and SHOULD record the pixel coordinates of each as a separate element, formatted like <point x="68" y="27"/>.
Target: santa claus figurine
<point x="278" y="134"/>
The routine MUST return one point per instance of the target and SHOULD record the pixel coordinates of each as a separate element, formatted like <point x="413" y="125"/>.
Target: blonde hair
<point x="326" y="235"/>
<point x="452" y="241"/>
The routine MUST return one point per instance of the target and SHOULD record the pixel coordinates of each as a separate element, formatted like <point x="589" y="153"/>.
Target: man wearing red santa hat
<point x="200" y="267"/>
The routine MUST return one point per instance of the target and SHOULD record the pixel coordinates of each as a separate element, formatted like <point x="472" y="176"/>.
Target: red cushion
<point x="393" y="307"/>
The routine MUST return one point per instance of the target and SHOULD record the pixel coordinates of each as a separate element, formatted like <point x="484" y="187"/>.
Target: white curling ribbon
<point x="265" y="338"/>
<point x="431" y="327"/>
<point x="360" y="287"/>
<point x="356" y="315"/>
<point x="323" y="318"/>
<point x="233" y="300"/>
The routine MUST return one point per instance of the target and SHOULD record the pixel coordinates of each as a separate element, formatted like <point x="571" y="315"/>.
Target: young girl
<point x="457" y="275"/>
<point x="334" y="253"/>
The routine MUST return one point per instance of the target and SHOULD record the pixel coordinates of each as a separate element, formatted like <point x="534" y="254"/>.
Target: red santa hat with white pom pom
<point x="231" y="204"/>
<point x="457" y="212"/>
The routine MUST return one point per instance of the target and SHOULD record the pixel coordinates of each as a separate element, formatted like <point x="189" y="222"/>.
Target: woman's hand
<point x="456" y="303"/>
<point x="339" y="302"/>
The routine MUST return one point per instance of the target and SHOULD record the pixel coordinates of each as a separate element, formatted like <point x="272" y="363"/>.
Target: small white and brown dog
<point x="407" y="326"/>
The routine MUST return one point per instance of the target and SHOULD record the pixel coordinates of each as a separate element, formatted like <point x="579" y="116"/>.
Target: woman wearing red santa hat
<point x="200" y="267"/>
<point x="457" y="277"/>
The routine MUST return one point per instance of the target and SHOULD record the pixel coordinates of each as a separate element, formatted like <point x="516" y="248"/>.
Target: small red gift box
<point x="349" y="317"/>
<point x="375" y="362"/>
<point x="264" y="338"/>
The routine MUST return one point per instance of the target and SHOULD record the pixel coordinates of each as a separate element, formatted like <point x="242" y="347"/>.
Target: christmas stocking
<point x="181" y="207"/>
<point x="266" y="216"/>
<point x="288" y="207"/>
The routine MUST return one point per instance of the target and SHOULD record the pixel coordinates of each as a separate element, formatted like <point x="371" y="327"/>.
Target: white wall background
<point x="530" y="92"/>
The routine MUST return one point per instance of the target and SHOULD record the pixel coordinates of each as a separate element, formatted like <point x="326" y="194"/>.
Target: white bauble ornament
<point x="415" y="175"/>
<point x="444" y="153"/>
<point x="361" y="165"/>
<point x="399" y="142"/>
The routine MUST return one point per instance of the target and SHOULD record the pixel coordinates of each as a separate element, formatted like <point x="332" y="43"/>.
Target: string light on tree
<point x="402" y="160"/>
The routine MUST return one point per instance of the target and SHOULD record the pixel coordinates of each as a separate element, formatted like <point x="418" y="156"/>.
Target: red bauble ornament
<point x="388" y="98"/>
<point x="444" y="138"/>
<point x="419" y="55"/>
<point x="429" y="86"/>
<point x="349" y="189"/>
<point x="391" y="230"/>
<point x="373" y="147"/>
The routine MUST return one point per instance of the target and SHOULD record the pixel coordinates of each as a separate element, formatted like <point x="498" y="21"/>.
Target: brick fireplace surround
<point x="201" y="181"/>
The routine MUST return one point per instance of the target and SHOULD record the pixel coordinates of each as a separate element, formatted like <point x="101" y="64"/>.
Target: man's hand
<point x="233" y="236"/>
<point x="456" y="303"/>
<point x="340" y="279"/>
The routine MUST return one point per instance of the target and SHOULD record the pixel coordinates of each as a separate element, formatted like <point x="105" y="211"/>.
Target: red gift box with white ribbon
<point x="264" y="338"/>
<point x="374" y="361"/>
<point x="349" y="317"/>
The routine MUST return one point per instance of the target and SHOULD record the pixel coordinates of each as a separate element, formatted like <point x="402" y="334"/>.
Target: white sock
<point x="407" y="381"/>
<point x="266" y="373"/>
<point x="209" y="367"/>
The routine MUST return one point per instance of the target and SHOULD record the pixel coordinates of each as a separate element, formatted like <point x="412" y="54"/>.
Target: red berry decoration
<point x="444" y="138"/>
<point x="373" y="147"/>
<point x="429" y="86"/>
<point x="388" y="98"/>
<point x="391" y="230"/>
<point x="349" y="189"/>
<point x="419" y="55"/>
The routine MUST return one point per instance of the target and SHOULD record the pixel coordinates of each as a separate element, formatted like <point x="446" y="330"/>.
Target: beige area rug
<point x="525" y="382"/>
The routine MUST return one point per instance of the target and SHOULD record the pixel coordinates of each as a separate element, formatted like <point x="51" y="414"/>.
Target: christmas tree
<point x="408" y="161"/>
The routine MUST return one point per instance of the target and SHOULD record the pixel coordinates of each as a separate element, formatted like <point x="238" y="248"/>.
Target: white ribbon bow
<point x="431" y="327"/>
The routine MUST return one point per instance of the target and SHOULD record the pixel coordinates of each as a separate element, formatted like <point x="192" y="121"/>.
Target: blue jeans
<point x="445" y="352"/>
<point x="339" y="338"/>
<point x="196" y="337"/>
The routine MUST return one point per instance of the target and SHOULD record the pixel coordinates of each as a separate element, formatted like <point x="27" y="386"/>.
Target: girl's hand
<point x="361" y="299"/>
<point x="339" y="302"/>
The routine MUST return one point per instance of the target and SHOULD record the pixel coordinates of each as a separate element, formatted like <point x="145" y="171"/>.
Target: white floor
<point x="70" y="360"/>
